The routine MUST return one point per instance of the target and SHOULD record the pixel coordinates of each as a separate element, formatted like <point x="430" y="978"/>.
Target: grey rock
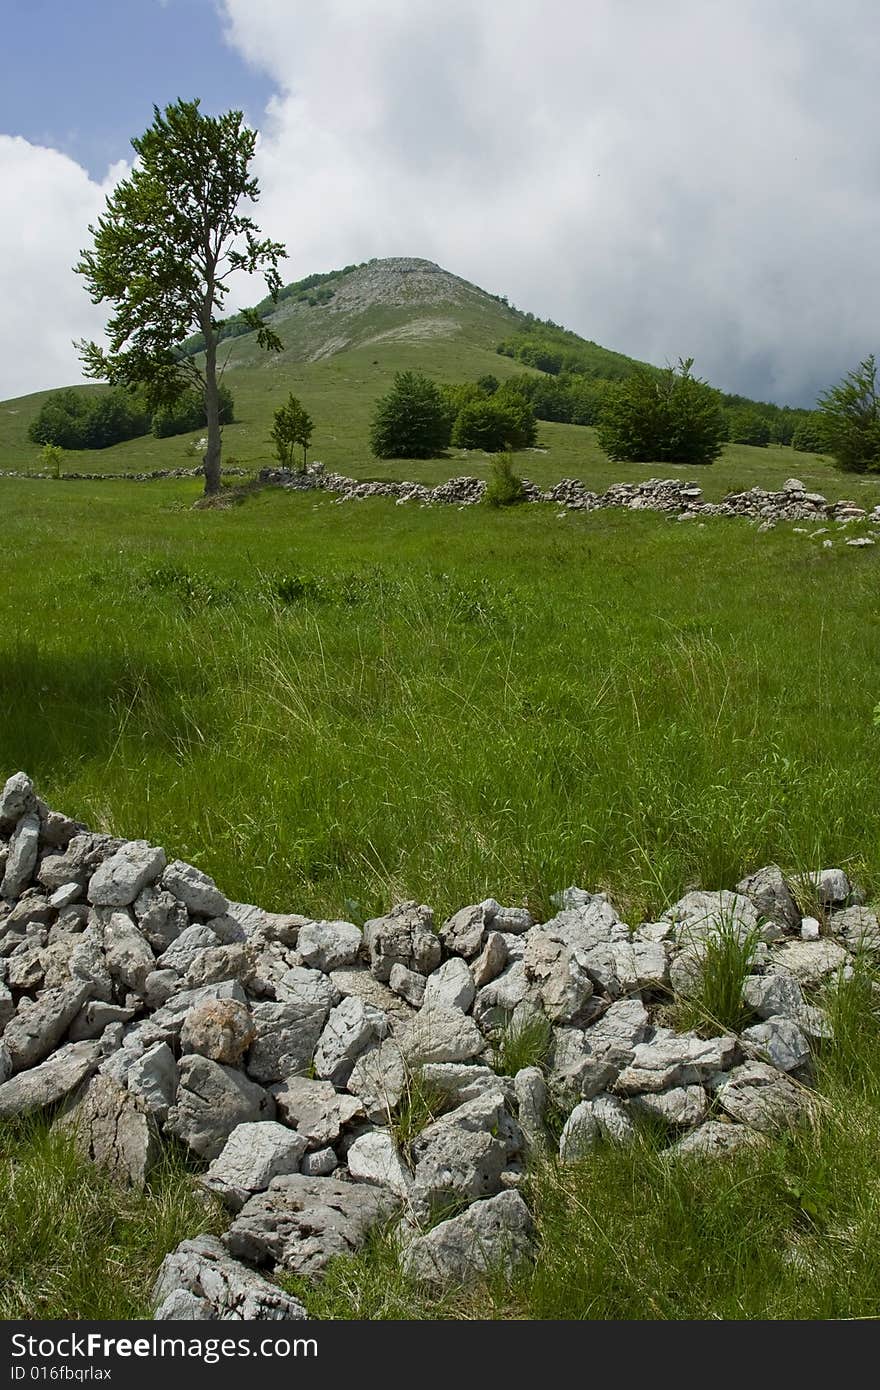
<point x="495" y="1233"/>
<point x="22" y="857"/>
<point x="25" y="969"/>
<point x="129" y="958"/>
<point x="114" y="1129"/>
<point x="531" y="1099"/>
<point x="771" y="995"/>
<point x="64" y="896"/>
<point x="7" y="1006"/>
<point x="200" y="1274"/>
<point x="450" y="986"/>
<point x="374" y="1158"/>
<point x="408" y="984"/>
<point x="215" y="963"/>
<point x="5" y="1063"/>
<point x="771" y="896"/>
<point x="462" y="1081"/>
<point x="78" y="862"/>
<point x="36" y="1031"/>
<point x="159" y="987"/>
<point x="491" y="960"/>
<point x="496" y="1001"/>
<point x="349" y="1030"/>
<point x="119" y="880"/>
<point x="160" y="916"/>
<point x="507" y="920"/>
<point x="88" y="964"/>
<point x="51" y="1081"/>
<point x="302" y="1223"/>
<point x="94" y="1017"/>
<point x="714" y="1139"/>
<point x="589" y="1061"/>
<point x="170" y="1017"/>
<point x="329" y="945"/>
<point x="675" y="1059"/>
<point x="463" y="1154"/>
<point x="811" y="961"/>
<point x="264" y="927"/>
<point x="761" y="1097"/>
<point x="17" y="799"/>
<point x="379" y="1079"/>
<point x="221" y="1029"/>
<point x="185" y="948"/>
<point x="441" y="1035"/>
<point x="811" y="929"/>
<point x="252" y="1156"/>
<point x="858" y="928"/>
<point x="309" y="991"/>
<point x="211" y="1101"/>
<point x="199" y="893"/>
<point x="699" y="915"/>
<point x="778" y="1041"/>
<point x="580" y="1133"/>
<point x="320" y="1163"/>
<point x="683" y="1107"/>
<point x="286" y="1039"/>
<point x="559" y="976"/>
<point x="463" y="934"/>
<point x="316" y="1109"/>
<point x="640" y="965"/>
<point x="153" y="1078"/>
<point x="359" y="982"/>
<point x="405" y="936"/>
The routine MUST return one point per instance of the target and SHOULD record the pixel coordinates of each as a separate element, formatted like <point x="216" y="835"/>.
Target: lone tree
<point x="292" y="425"/>
<point x="848" y="420"/>
<point x="411" y="421"/>
<point x="665" y="416"/>
<point x="164" y="250"/>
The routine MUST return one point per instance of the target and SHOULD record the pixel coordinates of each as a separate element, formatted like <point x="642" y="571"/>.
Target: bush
<point x="808" y="438"/>
<point x="74" y="419"/>
<point x="667" y="417"/>
<point x="188" y="413"/>
<point x="849" y="420"/>
<point x="412" y="421"/>
<point x="292" y="425"/>
<point x="504" y="488"/>
<point x="748" y="427"/>
<point x="499" y="422"/>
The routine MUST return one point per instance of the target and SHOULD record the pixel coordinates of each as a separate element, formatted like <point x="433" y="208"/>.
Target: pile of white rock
<point x="668" y="495"/>
<point x="137" y="1001"/>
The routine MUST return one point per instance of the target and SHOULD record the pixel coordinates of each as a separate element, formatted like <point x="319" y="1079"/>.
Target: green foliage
<point x="494" y="423"/>
<point x="808" y="438"/>
<point x="420" y="1104"/>
<point x="715" y="1002"/>
<point x="488" y="384"/>
<point x="504" y="488"/>
<point x="849" y="420"/>
<point x="50" y="459"/>
<point x="75" y="419"/>
<point x="747" y="427"/>
<point x="188" y="412"/>
<point x="525" y="1043"/>
<point x="169" y="240"/>
<point x="292" y="426"/>
<point x="411" y="421"/>
<point x="671" y="418"/>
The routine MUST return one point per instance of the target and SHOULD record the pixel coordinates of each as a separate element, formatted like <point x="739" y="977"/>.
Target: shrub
<point x="74" y="419"/>
<point x="849" y="420"/>
<point x="495" y="423"/>
<point x="504" y="488"/>
<point x="292" y="425"/>
<point x="808" y="438"/>
<point x="411" y="421"/>
<point x="668" y="417"/>
<point x="748" y="427"/>
<point x="50" y="458"/>
<point x="188" y="413"/>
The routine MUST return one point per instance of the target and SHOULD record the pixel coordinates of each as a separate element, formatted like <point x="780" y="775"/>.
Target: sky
<point x="670" y="178"/>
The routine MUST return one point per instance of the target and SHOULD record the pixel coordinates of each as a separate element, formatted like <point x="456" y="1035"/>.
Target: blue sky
<point x="670" y="178"/>
<point x="82" y="76"/>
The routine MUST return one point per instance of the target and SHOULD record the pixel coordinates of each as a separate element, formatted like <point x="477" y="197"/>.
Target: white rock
<point x="252" y="1156"/>
<point x="408" y="984"/>
<point x="675" y="1059"/>
<point x="779" y="1041"/>
<point x="761" y="1097"/>
<point x="683" y="1106"/>
<point x="811" y="929"/>
<point x="441" y="1035"/>
<point x="119" y="880"/>
<point x="374" y="1158"/>
<point x="349" y="1030"/>
<point x="450" y="986"/>
<point x="579" y="1133"/>
<point x="198" y="892"/>
<point x="329" y="945"/>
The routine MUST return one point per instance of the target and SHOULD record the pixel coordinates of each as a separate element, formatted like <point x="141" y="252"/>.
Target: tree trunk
<point x="212" y="413"/>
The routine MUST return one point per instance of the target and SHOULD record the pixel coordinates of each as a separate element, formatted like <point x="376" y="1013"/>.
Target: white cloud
<point x="46" y="204"/>
<point x="686" y="178"/>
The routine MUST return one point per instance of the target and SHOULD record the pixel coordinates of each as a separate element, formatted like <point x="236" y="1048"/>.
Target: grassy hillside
<point x="341" y="356"/>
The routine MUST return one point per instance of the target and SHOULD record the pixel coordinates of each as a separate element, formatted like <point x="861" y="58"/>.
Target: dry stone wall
<point x="137" y="1001"/>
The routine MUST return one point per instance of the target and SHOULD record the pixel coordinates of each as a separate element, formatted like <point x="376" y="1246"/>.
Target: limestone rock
<point x="302" y="1223"/>
<point x="683" y="1107"/>
<point x="496" y="1001"/>
<point x="216" y="1287"/>
<point x="590" y="1060"/>
<point x="319" y="1163"/>
<point x="579" y="1133"/>
<point x="35" y="1032"/>
<point x="211" y="1101"/>
<point x="491" y="960"/>
<point x="858" y="928"/>
<point x="405" y="936"/>
<point x="464" y="933"/>
<point x="771" y="896"/>
<point x="811" y="961"/>
<point x="374" y="1158"/>
<point x="118" y="880"/>
<point x="408" y="984"/>
<point x="699" y="915"/>
<point x="441" y="1035"/>
<point x="361" y="983"/>
<point x="153" y="1078"/>
<point x="531" y="1100"/>
<point x="94" y="1017"/>
<point x="194" y="889"/>
<point x="675" y="1059"/>
<point x="463" y="1154"/>
<point x="17" y="799"/>
<point x="170" y="1018"/>
<point x="495" y="1233"/>
<point x="221" y="1029"/>
<point x="379" y="1079"/>
<point x="450" y="986"/>
<point x="778" y="1041"/>
<point x="79" y="861"/>
<point x="315" y="1109"/>
<point x="714" y="1139"/>
<point x="349" y="1030"/>
<point x="114" y="1129"/>
<point x="761" y="1097"/>
<point x="51" y="1081"/>
<point x="160" y="917"/>
<point x="185" y="948"/>
<point x="22" y="857"/>
<point x="329" y="945"/>
<point x="252" y="1156"/>
<point x="129" y="958"/>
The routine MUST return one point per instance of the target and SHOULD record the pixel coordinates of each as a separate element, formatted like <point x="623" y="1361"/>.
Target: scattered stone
<point x="153" y="1077"/>
<point x="319" y="1164"/>
<point x="759" y="1096"/>
<point x="65" y="895"/>
<point x="811" y="961"/>
<point x="349" y="1030"/>
<point x="128" y="957"/>
<point x="441" y="1035"/>
<point x="491" y="960"/>
<point x="51" y="1081"/>
<point x="406" y="936"/>
<point x="94" y="1017"/>
<point x="409" y="985"/>
<point x="463" y="1154"/>
<point x="17" y="799"/>
<point x="22" y="856"/>
<point x="379" y="1079"/>
<point x="779" y="1041"/>
<point x="579" y="1133"/>
<point x="771" y="896"/>
<point x="36" y="1031"/>
<point x="858" y="927"/>
<point x="531" y="1099"/>
<point x="374" y="1158"/>
<point x="675" y="1059"/>
<point x="811" y="929"/>
<point x="683" y="1107"/>
<point x="316" y="1109"/>
<point x="186" y="948"/>
<point x="160" y="917"/>
<point x="285" y="1042"/>
<point x="199" y="1280"/>
<point x="714" y="1139"/>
